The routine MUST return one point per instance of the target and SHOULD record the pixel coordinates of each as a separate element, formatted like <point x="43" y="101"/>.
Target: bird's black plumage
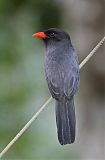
<point x="62" y="75"/>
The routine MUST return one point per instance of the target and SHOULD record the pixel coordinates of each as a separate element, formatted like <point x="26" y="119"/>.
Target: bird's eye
<point x="52" y="34"/>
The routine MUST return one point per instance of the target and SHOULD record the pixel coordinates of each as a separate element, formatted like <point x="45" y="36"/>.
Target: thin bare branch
<point x="92" y="53"/>
<point x="45" y="104"/>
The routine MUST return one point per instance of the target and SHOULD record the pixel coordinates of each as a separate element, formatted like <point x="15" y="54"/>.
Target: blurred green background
<point x="23" y="88"/>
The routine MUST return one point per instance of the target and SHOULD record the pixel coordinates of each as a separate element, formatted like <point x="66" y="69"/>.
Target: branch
<point x="46" y="103"/>
<point x="92" y="53"/>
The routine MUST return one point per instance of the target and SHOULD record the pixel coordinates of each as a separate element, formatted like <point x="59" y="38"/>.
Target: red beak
<point x="40" y="35"/>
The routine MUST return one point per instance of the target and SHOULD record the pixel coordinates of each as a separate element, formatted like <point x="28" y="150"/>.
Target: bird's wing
<point x="63" y="79"/>
<point x="54" y="80"/>
<point x="71" y="82"/>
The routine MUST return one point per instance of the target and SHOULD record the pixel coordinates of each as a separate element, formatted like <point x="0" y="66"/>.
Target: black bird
<point x="62" y="75"/>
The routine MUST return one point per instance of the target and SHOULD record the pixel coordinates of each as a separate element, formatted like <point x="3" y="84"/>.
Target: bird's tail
<point x="65" y="119"/>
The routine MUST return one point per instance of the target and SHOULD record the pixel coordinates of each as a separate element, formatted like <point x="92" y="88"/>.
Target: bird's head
<point x="52" y="35"/>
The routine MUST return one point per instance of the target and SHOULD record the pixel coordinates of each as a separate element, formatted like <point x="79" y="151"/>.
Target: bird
<point x="63" y="79"/>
